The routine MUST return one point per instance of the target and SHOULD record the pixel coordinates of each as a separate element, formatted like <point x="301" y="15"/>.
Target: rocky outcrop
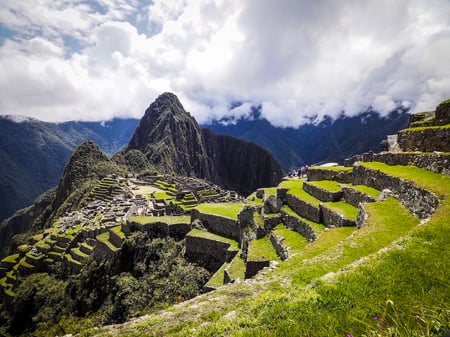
<point x="418" y="200"/>
<point x="272" y="204"/>
<point x="174" y="143"/>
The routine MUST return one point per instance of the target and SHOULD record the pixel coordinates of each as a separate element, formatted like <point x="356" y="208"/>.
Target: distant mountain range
<point x="33" y="153"/>
<point x="329" y="141"/>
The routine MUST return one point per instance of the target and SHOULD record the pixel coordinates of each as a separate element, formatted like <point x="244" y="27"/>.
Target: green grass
<point x="292" y="239"/>
<point x="445" y="102"/>
<point x="228" y="210"/>
<point x="217" y="279"/>
<point x="207" y="235"/>
<point x="104" y="237"/>
<point x="328" y="185"/>
<point x="170" y="220"/>
<point x="295" y="188"/>
<point x="118" y="231"/>
<point x="421" y="128"/>
<point x="348" y="211"/>
<point x="262" y="250"/>
<point x="11" y="259"/>
<point x="236" y="268"/>
<point x="370" y="191"/>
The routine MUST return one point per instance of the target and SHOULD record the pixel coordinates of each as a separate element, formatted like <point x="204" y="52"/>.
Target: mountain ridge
<point x="329" y="141"/>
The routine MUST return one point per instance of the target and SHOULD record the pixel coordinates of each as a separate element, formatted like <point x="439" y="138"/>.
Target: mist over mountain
<point x="33" y="153"/>
<point x="328" y="141"/>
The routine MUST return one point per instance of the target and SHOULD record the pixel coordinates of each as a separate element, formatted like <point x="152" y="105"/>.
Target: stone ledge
<point x="296" y="224"/>
<point x="221" y="251"/>
<point x="317" y="173"/>
<point x="322" y="194"/>
<point x="304" y="209"/>
<point x="277" y="243"/>
<point x="354" y="197"/>
<point x="332" y="218"/>
<point x="437" y="162"/>
<point x="219" y="225"/>
<point x="419" y="201"/>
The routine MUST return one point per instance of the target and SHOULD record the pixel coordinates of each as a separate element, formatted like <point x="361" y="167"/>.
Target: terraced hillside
<point x="360" y="250"/>
<point x="353" y="251"/>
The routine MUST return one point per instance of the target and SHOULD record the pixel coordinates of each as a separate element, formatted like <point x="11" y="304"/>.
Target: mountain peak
<point x="174" y="143"/>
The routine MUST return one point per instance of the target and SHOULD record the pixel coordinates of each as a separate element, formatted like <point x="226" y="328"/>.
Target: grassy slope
<point x="346" y="282"/>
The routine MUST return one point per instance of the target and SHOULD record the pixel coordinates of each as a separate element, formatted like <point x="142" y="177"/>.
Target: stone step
<point x="78" y="255"/>
<point x="86" y="248"/>
<point x="417" y="199"/>
<point x="355" y="194"/>
<point x="338" y="214"/>
<point x="324" y="190"/>
<point x="286" y="241"/>
<point x="340" y="174"/>
<point x="310" y="230"/>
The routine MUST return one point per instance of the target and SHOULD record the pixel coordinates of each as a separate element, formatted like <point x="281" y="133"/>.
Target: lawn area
<point x="292" y="239"/>
<point x="262" y="250"/>
<point x="328" y="185"/>
<point x="370" y="191"/>
<point x="348" y="211"/>
<point x="225" y="209"/>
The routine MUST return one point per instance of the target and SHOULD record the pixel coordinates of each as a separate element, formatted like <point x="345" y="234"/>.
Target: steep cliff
<point x="174" y="143"/>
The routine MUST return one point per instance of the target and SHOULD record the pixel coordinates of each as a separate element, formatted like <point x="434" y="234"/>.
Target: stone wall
<point x="418" y="200"/>
<point x="304" y="209"/>
<point x="354" y="197"/>
<point x="317" y="173"/>
<point x="425" y="140"/>
<point x="442" y="115"/>
<point x="333" y="219"/>
<point x="436" y="161"/>
<point x="219" y="250"/>
<point x="296" y="224"/>
<point x="321" y="194"/>
<point x="253" y="267"/>
<point x="219" y="225"/>
<point x="277" y="243"/>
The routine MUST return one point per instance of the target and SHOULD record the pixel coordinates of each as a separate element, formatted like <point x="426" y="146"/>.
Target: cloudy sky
<point x="299" y="59"/>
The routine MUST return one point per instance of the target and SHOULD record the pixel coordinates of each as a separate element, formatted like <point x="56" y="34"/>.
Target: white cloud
<point x="300" y="60"/>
